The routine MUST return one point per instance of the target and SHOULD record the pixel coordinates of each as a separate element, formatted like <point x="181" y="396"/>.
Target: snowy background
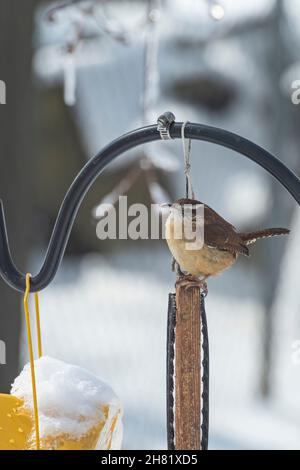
<point x="106" y="309"/>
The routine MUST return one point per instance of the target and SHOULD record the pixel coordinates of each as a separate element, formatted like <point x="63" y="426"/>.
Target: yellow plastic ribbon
<point x="31" y="354"/>
<point x="38" y="324"/>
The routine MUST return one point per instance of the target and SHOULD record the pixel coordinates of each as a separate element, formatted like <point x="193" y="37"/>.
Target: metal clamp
<point x="163" y="125"/>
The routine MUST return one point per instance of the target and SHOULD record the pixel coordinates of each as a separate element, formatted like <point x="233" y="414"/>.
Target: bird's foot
<point x="187" y="281"/>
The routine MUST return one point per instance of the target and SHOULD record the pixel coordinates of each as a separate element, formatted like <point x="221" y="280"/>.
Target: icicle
<point x="151" y="73"/>
<point x="69" y="79"/>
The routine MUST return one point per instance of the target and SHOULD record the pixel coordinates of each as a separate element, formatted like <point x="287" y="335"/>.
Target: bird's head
<point x="183" y="207"/>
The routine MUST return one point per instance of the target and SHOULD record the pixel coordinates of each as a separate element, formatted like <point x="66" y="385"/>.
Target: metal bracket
<point x="163" y="125"/>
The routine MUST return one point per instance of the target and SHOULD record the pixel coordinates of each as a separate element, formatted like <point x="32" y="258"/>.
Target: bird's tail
<point x="251" y="237"/>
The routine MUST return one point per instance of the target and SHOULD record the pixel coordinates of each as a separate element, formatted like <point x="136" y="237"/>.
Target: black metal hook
<point x="93" y="169"/>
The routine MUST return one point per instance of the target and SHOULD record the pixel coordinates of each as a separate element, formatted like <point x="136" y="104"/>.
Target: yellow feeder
<point x="17" y="429"/>
<point x="15" y="425"/>
<point x="19" y="421"/>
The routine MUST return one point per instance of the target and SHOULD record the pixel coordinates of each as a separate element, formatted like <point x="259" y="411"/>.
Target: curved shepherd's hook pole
<point x="94" y="167"/>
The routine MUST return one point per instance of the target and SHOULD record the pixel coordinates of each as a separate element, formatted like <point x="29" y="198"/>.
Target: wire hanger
<point x="187" y="144"/>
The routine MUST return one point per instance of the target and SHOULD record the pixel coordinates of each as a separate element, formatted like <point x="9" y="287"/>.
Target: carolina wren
<point x="221" y="243"/>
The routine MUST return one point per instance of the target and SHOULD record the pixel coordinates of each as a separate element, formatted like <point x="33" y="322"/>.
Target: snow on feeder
<point x="58" y="406"/>
<point x="76" y="410"/>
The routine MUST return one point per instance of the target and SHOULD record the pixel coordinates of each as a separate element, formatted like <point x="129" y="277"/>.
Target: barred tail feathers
<point x="249" y="238"/>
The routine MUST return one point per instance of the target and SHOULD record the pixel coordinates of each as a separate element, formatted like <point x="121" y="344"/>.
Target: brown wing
<point x="212" y="216"/>
<point x="218" y="233"/>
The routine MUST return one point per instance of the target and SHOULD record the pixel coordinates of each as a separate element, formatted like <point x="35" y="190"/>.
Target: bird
<point x="220" y="246"/>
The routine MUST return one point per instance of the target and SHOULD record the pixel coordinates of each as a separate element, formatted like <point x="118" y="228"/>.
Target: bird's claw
<point x="188" y="281"/>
